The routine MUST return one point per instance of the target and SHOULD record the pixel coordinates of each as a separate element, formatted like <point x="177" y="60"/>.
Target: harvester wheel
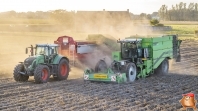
<point x="17" y="75"/>
<point x="41" y="74"/>
<point x="63" y="70"/>
<point x="131" y="72"/>
<point x="163" y="67"/>
<point x="101" y="66"/>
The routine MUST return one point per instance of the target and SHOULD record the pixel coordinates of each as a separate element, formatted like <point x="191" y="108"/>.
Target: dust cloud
<point x="13" y="44"/>
<point x="115" y="23"/>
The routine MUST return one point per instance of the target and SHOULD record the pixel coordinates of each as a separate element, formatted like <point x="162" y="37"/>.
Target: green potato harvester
<point x="138" y="57"/>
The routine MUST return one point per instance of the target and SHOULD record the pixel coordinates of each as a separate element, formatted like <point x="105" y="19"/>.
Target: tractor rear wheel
<point x="41" y="74"/>
<point x="63" y="70"/>
<point x="101" y="66"/>
<point x="17" y="75"/>
<point x="163" y="67"/>
<point x="131" y="72"/>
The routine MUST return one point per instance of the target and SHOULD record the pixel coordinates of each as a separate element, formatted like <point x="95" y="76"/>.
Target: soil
<point x="154" y="93"/>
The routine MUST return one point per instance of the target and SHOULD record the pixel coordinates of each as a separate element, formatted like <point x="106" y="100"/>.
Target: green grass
<point x="179" y="22"/>
<point x="184" y="31"/>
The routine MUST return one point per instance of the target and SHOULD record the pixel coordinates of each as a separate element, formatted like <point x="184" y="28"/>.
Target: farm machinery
<point x="43" y="62"/>
<point x="75" y="49"/>
<point x="138" y="57"/>
<point x="54" y="59"/>
<point x="80" y="51"/>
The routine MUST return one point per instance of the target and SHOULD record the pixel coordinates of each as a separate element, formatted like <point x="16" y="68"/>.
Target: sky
<point x="134" y="6"/>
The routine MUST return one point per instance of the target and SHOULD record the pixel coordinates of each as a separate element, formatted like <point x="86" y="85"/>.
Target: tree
<point x="154" y="22"/>
<point x="143" y="16"/>
<point x="149" y="17"/>
<point x="179" y="12"/>
<point x="163" y="12"/>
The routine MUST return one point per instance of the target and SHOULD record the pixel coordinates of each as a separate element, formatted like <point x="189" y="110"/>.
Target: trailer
<point x="138" y="57"/>
<point x="75" y="50"/>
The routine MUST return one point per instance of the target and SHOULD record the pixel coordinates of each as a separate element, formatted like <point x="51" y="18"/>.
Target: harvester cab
<point x="137" y="58"/>
<point x="132" y="50"/>
<point x="43" y="62"/>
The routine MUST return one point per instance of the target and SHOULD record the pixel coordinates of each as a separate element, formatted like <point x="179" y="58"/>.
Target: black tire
<point x="18" y="76"/>
<point x="163" y="67"/>
<point x="101" y="66"/>
<point x="41" y="74"/>
<point x="131" y="72"/>
<point x="63" y="70"/>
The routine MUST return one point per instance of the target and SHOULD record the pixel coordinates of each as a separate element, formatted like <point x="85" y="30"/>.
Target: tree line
<point x="179" y="12"/>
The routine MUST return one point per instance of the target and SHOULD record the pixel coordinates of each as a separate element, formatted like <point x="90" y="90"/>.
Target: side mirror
<point x="26" y="50"/>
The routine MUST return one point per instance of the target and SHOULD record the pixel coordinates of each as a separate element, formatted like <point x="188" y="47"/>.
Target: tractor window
<point x="41" y="50"/>
<point x="128" y="50"/>
<point x="53" y="50"/>
<point x="131" y="45"/>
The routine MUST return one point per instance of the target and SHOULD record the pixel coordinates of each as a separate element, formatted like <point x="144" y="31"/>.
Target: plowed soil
<point x="154" y="93"/>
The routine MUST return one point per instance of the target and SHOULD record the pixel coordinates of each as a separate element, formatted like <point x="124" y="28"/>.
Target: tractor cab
<point x="131" y="50"/>
<point x="49" y="51"/>
<point x="46" y="49"/>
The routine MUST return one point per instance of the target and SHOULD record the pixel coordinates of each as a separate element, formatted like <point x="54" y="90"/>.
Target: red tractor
<point x="75" y="50"/>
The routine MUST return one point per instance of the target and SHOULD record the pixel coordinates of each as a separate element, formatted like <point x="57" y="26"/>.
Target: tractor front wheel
<point x="63" y="70"/>
<point x="131" y="72"/>
<point x="17" y="75"/>
<point x="41" y="74"/>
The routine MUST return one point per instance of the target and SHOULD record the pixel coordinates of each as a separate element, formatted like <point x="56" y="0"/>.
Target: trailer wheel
<point x="17" y="75"/>
<point x="41" y="74"/>
<point x="163" y="67"/>
<point x="63" y="70"/>
<point x="101" y="66"/>
<point x="131" y="72"/>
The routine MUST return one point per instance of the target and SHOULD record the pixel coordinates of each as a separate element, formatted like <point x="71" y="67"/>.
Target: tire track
<point x="157" y="92"/>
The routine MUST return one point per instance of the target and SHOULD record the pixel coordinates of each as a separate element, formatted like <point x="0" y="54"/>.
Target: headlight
<point x="29" y="66"/>
<point x="86" y="77"/>
<point x="113" y="78"/>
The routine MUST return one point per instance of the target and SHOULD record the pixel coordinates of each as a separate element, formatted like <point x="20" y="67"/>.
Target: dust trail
<point x="13" y="44"/>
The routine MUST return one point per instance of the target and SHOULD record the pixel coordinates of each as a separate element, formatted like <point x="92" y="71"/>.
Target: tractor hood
<point x="28" y="61"/>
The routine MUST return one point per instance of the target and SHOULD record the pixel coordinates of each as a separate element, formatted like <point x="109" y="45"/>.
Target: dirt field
<point x="156" y="93"/>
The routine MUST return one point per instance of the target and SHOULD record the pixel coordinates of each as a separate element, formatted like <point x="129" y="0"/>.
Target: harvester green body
<point x="138" y="57"/>
<point x="43" y="62"/>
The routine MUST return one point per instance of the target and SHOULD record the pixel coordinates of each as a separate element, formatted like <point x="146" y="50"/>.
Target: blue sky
<point x="134" y="6"/>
